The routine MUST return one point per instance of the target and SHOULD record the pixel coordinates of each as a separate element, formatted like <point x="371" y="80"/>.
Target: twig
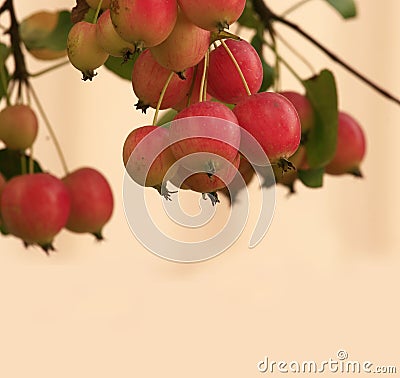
<point x="267" y="17"/>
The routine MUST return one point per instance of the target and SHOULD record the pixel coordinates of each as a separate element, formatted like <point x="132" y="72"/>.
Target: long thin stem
<point x="49" y="69"/>
<point x="284" y="62"/>
<point x="294" y="7"/>
<point x="234" y="61"/>
<point x="203" y="80"/>
<point x="296" y="53"/>
<point x="267" y="16"/>
<point x="96" y="15"/>
<point x="171" y="75"/>
<point x="205" y="73"/>
<point x="50" y="130"/>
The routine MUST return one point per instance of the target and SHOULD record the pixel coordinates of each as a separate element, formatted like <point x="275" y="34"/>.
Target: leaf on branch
<point x="5" y="76"/>
<point x="10" y="163"/>
<point x="321" y="140"/>
<point x="250" y="18"/>
<point x="347" y="8"/>
<point x="166" y="118"/>
<point x="56" y="40"/>
<point x="268" y="71"/>
<point x="120" y="67"/>
<point x="312" y="178"/>
<point x="79" y="11"/>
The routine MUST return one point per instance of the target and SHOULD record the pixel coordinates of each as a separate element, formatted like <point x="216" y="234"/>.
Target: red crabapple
<point x="91" y="201"/>
<point x="224" y="82"/>
<point x="211" y="14"/>
<point x="18" y="127"/>
<point x="350" y="148"/>
<point x="149" y="78"/>
<point x="273" y="121"/>
<point x="203" y="182"/>
<point x="145" y="23"/>
<point x="147" y="156"/>
<point x="84" y="51"/>
<point x="109" y="39"/>
<point x="303" y="107"/>
<point x="35" y="207"/>
<point x="209" y="128"/>
<point x="184" y="47"/>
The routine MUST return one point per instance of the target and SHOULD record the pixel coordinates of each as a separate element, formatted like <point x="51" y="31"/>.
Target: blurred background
<point x="324" y="278"/>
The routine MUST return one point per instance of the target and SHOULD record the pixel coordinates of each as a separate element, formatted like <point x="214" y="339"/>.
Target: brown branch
<point x="20" y="72"/>
<point x="267" y="17"/>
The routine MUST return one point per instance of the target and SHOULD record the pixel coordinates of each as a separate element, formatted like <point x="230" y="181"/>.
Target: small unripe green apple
<point x="18" y="127"/>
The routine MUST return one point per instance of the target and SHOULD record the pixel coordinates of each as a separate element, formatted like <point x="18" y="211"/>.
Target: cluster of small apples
<point x="36" y="206"/>
<point x="350" y="146"/>
<point x="188" y="62"/>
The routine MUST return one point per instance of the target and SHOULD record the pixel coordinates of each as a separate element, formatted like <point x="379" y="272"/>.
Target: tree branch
<point x="20" y="71"/>
<point x="267" y="16"/>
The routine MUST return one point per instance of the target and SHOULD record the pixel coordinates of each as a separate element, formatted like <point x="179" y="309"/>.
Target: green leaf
<point x="249" y="17"/>
<point x="313" y="178"/>
<point x="35" y="38"/>
<point x="167" y="117"/>
<point x="321" y="140"/>
<point x="121" y="68"/>
<point x="11" y="163"/>
<point x="4" y="75"/>
<point x="268" y="71"/>
<point x="347" y="8"/>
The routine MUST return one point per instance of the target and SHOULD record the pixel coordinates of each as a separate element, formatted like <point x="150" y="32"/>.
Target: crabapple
<point x="35" y="207"/>
<point x="350" y="147"/>
<point x="203" y="182"/>
<point x="184" y="47"/>
<point x="149" y="78"/>
<point x="147" y="155"/>
<point x="273" y="121"/>
<point x="224" y="81"/>
<point x="109" y="39"/>
<point x="206" y="127"/>
<point x="95" y="3"/>
<point x="288" y="178"/>
<point x="91" y="201"/>
<point x="84" y="51"/>
<point x="145" y="23"/>
<point x="36" y="27"/>
<point x="303" y="107"/>
<point x="212" y="15"/>
<point x="18" y="126"/>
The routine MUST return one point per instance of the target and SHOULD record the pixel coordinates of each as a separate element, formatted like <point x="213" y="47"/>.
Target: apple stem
<point x="294" y="7"/>
<point x="31" y="167"/>
<point x="50" y="129"/>
<point x="195" y="73"/>
<point x="234" y="61"/>
<point x="96" y="15"/>
<point x="49" y="69"/>
<point x="203" y="84"/>
<point x="284" y="62"/>
<point x="23" y="164"/>
<point x="171" y="75"/>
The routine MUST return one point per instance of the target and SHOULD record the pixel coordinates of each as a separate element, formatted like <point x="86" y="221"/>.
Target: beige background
<point x="325" y="277"/>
